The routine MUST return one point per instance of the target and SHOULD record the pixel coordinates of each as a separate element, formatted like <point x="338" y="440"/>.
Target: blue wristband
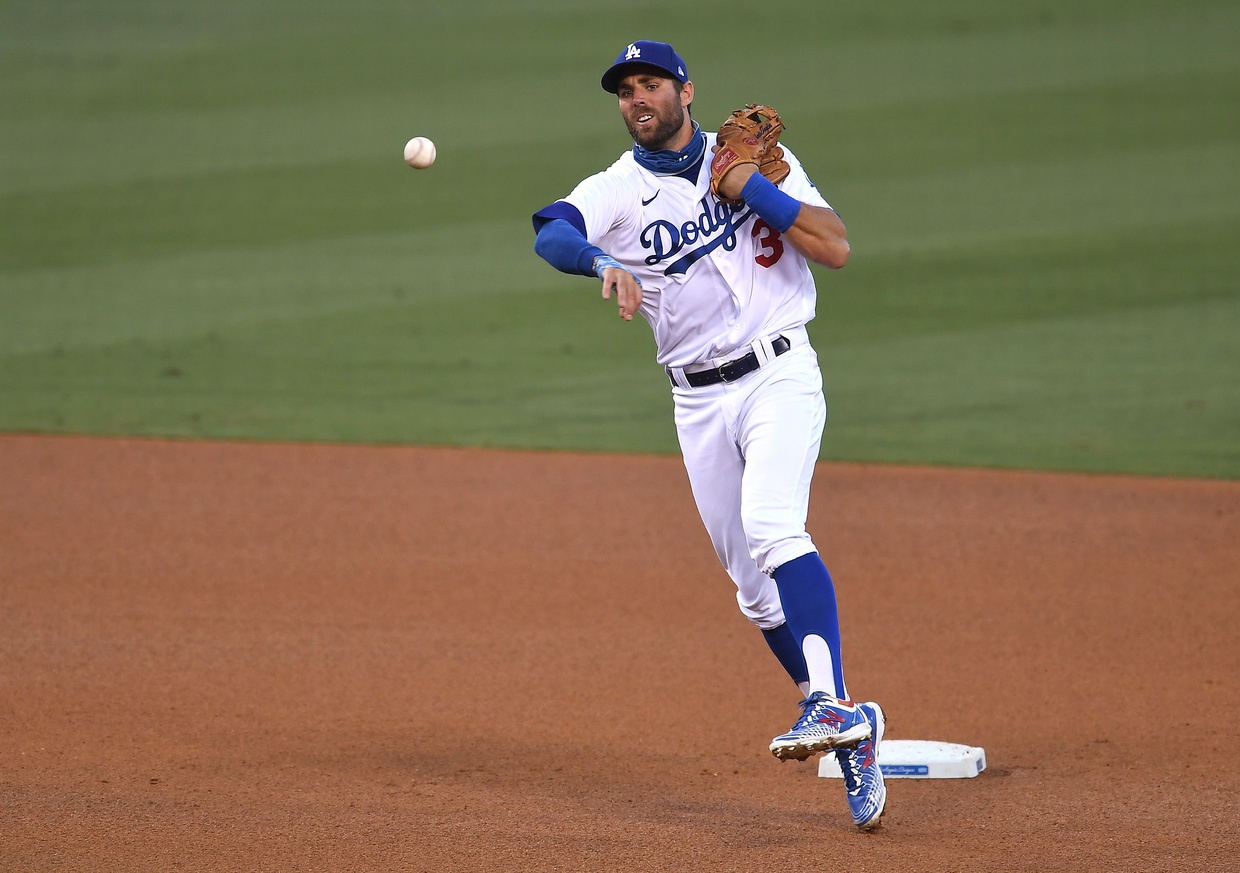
<point x="772" y="205"/>
<point x="602" y="262"/>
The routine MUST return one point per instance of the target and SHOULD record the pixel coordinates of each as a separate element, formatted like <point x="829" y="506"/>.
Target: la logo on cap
<point x="633" y="52"/>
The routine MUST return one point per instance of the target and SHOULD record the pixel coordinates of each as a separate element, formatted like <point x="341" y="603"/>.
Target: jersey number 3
<point x="771" y="245"/>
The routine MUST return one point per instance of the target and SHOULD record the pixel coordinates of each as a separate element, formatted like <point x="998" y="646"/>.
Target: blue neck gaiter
<point x="667" y="162"/>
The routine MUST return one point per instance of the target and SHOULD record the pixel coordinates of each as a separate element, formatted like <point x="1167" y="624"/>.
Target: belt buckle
<point x="731" y="367"/>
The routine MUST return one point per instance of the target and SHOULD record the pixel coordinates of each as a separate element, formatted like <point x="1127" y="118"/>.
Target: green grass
<point x="207" y="229"/>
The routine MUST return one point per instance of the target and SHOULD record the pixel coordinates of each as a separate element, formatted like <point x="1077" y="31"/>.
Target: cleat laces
<point x="851" y="764"/>
<point x="816" y="709"/>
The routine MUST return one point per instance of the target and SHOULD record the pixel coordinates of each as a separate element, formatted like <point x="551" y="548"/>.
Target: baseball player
<point x="711" y="246"/>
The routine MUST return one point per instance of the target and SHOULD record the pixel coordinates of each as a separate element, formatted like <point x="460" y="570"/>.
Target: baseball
<point x="419" y="153"/>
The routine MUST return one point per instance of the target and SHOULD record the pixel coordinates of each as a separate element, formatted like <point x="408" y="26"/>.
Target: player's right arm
<point x="561" y="242"/>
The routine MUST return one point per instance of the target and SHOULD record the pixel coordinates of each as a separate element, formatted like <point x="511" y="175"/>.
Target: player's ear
<point x="686" y="94"/>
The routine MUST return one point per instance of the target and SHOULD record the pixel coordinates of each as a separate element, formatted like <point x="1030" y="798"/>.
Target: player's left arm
<point x="817" y="232"/>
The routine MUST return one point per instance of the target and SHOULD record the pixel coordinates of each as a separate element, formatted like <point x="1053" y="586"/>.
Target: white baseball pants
<point x="750" y="448"/>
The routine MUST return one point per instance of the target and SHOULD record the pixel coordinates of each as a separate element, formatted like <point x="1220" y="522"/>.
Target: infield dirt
<point x="221" y="656"/>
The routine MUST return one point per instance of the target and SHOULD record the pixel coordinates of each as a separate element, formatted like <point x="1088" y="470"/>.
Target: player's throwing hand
<point x="628" y="288"/>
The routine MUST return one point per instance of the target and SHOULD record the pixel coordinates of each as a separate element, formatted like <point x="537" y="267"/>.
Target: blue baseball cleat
<point x="863" y="780"/>
<point x="825" y="723"/>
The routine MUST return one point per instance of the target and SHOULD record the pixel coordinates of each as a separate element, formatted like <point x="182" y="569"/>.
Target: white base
<point x="918" y="759"/>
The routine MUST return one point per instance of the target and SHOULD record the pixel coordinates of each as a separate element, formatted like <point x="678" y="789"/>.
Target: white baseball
<point x="419" y="153"/>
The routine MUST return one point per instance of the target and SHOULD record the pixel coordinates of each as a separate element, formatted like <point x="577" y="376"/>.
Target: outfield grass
<point x="208" y="230"/>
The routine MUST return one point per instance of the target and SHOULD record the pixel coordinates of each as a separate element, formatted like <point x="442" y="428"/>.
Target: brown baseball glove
<point x="749" y="136"/>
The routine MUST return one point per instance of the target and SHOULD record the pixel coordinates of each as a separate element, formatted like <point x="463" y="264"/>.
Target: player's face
<point x="654" y="110"/>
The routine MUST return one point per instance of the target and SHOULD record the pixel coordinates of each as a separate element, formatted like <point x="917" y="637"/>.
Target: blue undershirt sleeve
<point x="560" y="209"/>
<point x="562" y="243"/>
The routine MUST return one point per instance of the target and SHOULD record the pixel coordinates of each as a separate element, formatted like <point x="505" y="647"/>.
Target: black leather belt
<point x="733" y="370"/>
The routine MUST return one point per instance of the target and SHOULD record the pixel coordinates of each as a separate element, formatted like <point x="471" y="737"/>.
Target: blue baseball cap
<point x="645" y="52"/>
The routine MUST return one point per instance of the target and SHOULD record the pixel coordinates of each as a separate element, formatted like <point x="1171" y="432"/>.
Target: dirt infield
<point x="217" y="656"/>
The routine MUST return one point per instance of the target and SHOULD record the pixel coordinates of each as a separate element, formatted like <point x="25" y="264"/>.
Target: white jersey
<point x="714" y="280"/>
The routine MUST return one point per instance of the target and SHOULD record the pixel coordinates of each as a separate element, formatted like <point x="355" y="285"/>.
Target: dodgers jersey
<point x="714" y="278"/>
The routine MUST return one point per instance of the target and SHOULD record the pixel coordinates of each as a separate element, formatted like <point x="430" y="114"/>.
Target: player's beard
<point x="662" y="133"/>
